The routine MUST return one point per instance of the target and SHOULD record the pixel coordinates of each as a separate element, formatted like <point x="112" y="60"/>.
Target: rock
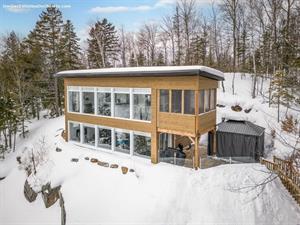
<point x="236" y="108"/>
<point x="50" y="195"/>
<point x="124" y="169"/>
<point x="2" y="178"/>
<point x="131" y="170"/>
<point x="114" y="166"/>
<point x="63" y="134"/>
<point x="74" y="160"/>
<point x="104" y="164"/>
<point x="19" y="159"/>
<point x="221" y="106"/>
<point x="93" y="160"/>
<point x="29" y="193"/>
<point x="58" y="149"/>
<point x="247" y="110"/>
<point x="87" y="158"/>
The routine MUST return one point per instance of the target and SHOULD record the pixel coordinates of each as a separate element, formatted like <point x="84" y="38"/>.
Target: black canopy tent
<point x="240" y="139"/>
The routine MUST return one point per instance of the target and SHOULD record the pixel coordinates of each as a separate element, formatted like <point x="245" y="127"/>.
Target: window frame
<point x="113" y="139"/>
<point x="112" y="91"/>
<point x="87" y="89"/>
<point x="168" y="100"/>
<point x="89" y="126"/>
<point x="184" y="100"/>
<point x="181" y="103"/>
<point x="139" y="133"/>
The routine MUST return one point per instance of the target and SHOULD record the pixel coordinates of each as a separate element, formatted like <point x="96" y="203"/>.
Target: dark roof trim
<point x="179" y="72"/>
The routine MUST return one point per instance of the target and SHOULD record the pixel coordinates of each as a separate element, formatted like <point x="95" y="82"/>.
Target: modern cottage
<point x="141" y="111"/>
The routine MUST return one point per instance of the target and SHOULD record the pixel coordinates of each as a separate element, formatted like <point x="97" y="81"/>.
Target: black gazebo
<point x="240" y="140"/>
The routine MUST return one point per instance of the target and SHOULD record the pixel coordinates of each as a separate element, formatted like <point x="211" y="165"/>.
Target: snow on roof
<point x="146" y="71"/>
<point x="241" y="127"/>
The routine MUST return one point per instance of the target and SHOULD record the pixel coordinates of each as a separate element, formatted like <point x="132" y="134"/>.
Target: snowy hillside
<point x="153" y="194"/>
<point x="260" y="112"/>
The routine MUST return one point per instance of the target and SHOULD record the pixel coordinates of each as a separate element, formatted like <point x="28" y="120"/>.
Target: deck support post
<point x="154" y="147"/>
<point x="215" y="142"/>
<point x="197" y="153"/>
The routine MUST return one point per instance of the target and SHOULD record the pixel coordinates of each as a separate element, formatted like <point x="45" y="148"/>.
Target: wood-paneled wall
<point x="179" y="124"/>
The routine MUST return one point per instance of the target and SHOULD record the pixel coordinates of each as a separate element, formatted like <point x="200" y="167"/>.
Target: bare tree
<point x="187" y="12"/>
<point x="231" y="9"/>
<point x="148" y="37"/>
<point x="168" y="28"/>
<point x="123" y="47"/>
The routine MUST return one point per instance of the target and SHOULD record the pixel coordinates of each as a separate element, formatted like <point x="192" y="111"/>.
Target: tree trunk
<point x="223" y="87"/>
<point x="56" y="96"/>
<point x="15" y="134"/>
<point x="278" y="109"/>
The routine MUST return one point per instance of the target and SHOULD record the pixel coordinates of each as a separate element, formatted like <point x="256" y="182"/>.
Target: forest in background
<point x="260" y="37"/>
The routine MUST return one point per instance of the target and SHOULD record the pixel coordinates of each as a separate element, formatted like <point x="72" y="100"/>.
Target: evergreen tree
<point x="160" y="61"/>
<point x="70" y="50"/>
<point x="280" y="91"/>
<point x="47" y="35"/>
<point x="103" y="45"/>
<point x="132" y="60"/>
<point x="198" y="49"/>
<point x="141" y="59"/>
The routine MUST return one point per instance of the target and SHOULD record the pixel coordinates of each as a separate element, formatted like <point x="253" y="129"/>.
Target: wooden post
<point x="154" y="134"/>
<point x="154" y="147"/>
<point x="197" y="153"/>
<point x="66" y="111"/>
<point x="215" y="142"/>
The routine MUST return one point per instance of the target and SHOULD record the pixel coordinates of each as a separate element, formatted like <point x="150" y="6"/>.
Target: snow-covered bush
<point x="34" y="156"/>
<point x="35" y="161"/>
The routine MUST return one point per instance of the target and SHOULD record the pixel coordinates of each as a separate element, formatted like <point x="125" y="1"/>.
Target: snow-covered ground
<point x="153" y="194"/>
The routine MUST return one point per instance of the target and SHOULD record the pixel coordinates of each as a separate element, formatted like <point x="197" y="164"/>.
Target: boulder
<point x="94" y="160"/>
<point x="19" y="159"/>
<point x="114" y="166"/>
<point x="74" y="160"/>
<point x="124" y="169"/>
<point x="2" y="178"/>
<point x="87" y="158"/>
<point x="104" y="164"/>
<point x="29" y="193"/>
<point x="58" y="149"/>
<point x="50" y="195"/>
<point x="131" y="170"/>
<point x="247" y="110"/>
<point x="236" y="108"/>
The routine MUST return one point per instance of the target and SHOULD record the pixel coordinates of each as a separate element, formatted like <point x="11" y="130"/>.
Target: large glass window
<point x="189" y="102"/>
<point x="207" y="100"/>
<point x="164" y="101"/>
<point x="176" y="101"/>
<point x="104" y="138"/>
<point x="201" y="101"/>
<point x="89" y="135"/>
<point x="74" y="131"/>
<point x="212" y="99"/>
<point x="142" y="145"/>
<point x="88" y="102"/>
<point x="104" y="104"/>
<point x="122" y="142"/>
<point x="74" y="101"/>
<point x="142" y="107"/>
<point x="122" y="108"/>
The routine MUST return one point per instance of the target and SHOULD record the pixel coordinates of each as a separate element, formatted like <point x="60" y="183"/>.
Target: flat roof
<point x="145" y="71"/>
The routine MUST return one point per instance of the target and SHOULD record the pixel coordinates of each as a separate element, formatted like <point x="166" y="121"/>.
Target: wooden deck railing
<point x="288" y="174"/>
